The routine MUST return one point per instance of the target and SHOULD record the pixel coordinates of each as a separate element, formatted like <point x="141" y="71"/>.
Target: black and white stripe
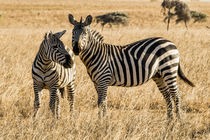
<point x="53" y="69"/>
<point x="130" y="65"/>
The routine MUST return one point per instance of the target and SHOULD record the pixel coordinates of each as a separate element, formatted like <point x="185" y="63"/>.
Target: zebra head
<point x="55" y="49"/>
<point x="80" y="33"/>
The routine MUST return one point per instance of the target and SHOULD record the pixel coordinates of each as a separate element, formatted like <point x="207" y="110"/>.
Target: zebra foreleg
<point x="53" y="94"/>
<point x="37" y="93"/>
<point x="102" y="99"/>
<point x="62" y="92"/>
<point x="71" y="91"/>
<point x="57" y="105"/>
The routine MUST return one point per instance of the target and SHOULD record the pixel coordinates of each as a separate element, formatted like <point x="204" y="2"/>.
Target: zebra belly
<point x="130" y="83"/>
<point x="133" y="73"/>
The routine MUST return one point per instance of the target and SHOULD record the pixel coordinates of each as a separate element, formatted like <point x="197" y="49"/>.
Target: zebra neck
<point x="44" y="61"/>
<point x="92" y="52"/>
<point x="95" y="51"/>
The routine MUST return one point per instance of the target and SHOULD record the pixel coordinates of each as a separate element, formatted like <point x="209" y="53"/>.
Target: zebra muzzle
<point x="76" y="48"/>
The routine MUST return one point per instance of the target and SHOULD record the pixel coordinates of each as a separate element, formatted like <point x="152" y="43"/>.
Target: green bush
<point x="198" y="16"/>
<point x="113" y="18"/>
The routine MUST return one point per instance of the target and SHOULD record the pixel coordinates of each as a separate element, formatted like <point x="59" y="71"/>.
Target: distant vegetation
<point x="198" y="16"/>
<point x="181" y="11"/>
<point x="113" y="18"/>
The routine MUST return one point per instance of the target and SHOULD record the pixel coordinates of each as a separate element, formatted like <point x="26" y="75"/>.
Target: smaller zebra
<point x="53" y="69"/>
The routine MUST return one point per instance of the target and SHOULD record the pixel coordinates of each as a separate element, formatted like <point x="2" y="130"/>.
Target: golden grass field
<point x="133" y="113"/>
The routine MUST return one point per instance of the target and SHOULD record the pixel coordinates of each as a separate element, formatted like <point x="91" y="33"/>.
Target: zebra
<point x="53" y="69"/>
<point x="129" y="65"/>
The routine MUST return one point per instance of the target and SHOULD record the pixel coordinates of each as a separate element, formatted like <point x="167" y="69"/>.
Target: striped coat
<point x="53" y="69"/>
<point x="129" y="65"/>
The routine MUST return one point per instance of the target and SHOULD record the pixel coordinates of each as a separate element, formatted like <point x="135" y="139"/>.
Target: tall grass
<point x="133" y="113"/>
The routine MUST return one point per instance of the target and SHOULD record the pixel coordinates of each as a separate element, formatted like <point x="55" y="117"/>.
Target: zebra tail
<point x="184" y="78"/>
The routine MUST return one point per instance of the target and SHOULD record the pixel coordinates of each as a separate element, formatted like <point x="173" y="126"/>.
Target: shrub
<point x="198" y="16"/>
<point x="113" y="18"/>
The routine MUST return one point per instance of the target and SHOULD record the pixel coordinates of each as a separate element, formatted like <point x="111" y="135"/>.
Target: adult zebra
<point x="129" y="65"/>
<point x="53" y="69"/>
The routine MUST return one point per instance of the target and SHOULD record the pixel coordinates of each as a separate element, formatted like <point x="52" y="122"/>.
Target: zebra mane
<point x="70" y="52"/>
<point x="96" y="35"/>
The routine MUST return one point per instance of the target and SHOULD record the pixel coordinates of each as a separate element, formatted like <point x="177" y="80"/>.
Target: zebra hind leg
<point x="71" y="91"/>
<point x="175" y="93"/>
<point x="162" y="86"/>
<point x="171" y="81"/>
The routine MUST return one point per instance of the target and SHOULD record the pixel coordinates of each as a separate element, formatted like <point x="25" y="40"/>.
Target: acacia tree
<point x="177" y="9"/>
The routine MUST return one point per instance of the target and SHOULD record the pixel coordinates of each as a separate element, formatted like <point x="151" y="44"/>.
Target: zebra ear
<point x="60" y="34"/>
<point x="48" y="35"/>
<point x="71" y="19"/>
<point x="88" y="20"/>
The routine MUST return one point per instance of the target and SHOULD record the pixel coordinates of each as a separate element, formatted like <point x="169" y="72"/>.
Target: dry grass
<point x="133" y="113"/>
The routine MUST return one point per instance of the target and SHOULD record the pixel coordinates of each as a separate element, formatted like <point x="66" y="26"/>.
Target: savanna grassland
<point x="133" y="113"/>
